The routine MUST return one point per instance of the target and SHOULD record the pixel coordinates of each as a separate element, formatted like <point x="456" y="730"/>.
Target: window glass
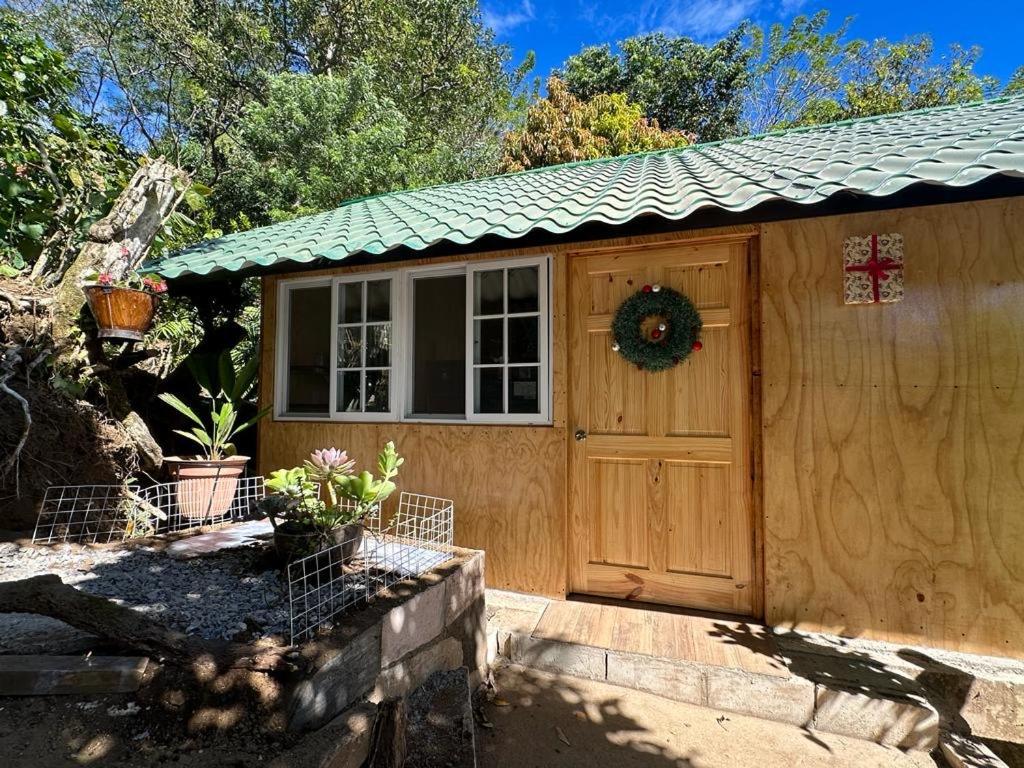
<point x="364" y="347"/>
<point x="506" y="348"/>
<point x="439" y="346"/>
<point x="309" y="350"/>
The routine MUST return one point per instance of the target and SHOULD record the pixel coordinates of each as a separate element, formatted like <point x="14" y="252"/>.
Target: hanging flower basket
<point x="121" y="313"/>
<point x="124" y="308"/>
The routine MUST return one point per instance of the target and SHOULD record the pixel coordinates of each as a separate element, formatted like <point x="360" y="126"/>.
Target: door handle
<point x="581" y="435"/>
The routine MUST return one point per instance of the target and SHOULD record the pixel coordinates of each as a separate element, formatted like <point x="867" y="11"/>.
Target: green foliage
<point x="806" y="74"/>
<point x="318" y="140"/>
<point x="59" y="171"/>
<point x="368" y="491"/>
<point x="678" y="82"/>
<point x="214" y="440"/>
<point x="1015" y="85"/>
<point x="562" y="128"/>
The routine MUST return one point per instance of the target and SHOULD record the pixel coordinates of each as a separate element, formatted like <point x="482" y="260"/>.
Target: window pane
<point x="523" y="391"/>
<point x="522" y="339"/>
<point x="377" y="392"/>
<point x="487" y="393"/>
<point x="489" y="341"/>
<point x="378" y="346"/>
<point x="489" y="292"/>
<point x="350" y="347"/>
<point x="439" y="345"/>
<point x="523" y="295"/>
<point x="309" y="350"/>
<point x="350" y="303"/>
<point x="378" y="300"/>
<point x="348" y="391"/>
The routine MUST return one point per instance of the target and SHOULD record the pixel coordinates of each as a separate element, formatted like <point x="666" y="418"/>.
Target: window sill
<point x="411" y="420"/>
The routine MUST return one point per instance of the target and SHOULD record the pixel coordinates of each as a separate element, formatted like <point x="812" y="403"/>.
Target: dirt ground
<point x="540" y="720"/>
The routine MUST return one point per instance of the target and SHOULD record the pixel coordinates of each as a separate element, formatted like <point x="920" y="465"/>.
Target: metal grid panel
<point x="85" y="514"/>
<point x="325" y="584"/>
<point x="91" y="514"/>
<point x="190" y="505"/>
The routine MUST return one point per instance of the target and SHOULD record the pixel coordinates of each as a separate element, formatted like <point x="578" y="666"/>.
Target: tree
<point x="562" y="128"/>
<point x="804" y="74"/>
<point x="682" y="84"/>
<point x="59" y="171"/>
<point x="1015" y="85"/>
<point x="317" y="141"/>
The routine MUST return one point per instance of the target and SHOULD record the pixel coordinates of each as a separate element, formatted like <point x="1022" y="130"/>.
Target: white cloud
<point x="696" y="18"/>
<point x="787" y="7"/>
<point x="505" y="21"/>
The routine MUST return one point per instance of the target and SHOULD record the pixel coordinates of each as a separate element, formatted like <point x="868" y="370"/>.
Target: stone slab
<point x="893" y="721"/>
<point x="781" y="699"/>
<point x="414" y="623"/>
<point x="229" y="537"/>
<point x="672" y="679"/>
<point x="576" y="660"/>
<point x="961" y="752"/>
<point x="348" y="676"/>
<point x="50" y="675"/>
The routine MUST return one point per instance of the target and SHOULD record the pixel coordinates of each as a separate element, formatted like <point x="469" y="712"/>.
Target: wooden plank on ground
<point x="49" y="675"/>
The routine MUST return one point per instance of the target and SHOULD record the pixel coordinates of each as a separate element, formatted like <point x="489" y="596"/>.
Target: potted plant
<point x="206" y="483"/>
<point x="323" y="503"/>
<point x="123" y="308"/>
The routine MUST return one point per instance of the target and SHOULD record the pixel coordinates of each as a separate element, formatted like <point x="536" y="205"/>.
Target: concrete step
<point x="896" y="716"/>
<point x="963" y="752"/>
<point x="49" y="675"/>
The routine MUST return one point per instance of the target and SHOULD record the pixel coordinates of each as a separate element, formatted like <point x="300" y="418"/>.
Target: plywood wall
<point x="508" y="482"/>
<point x="893" y="436"/>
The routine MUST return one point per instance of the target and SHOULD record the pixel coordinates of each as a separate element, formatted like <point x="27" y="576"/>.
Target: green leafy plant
<point x="294" y="494"/>
<point x="215" y="439"/>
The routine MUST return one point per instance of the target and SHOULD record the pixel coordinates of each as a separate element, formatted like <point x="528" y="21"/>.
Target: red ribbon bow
<point x="875" y="267"/>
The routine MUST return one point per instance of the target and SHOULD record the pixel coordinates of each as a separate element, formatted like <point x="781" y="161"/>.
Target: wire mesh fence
<point x="88" y="514"/>
<point x="369" y="560"/>
<point x="97" y="514"/>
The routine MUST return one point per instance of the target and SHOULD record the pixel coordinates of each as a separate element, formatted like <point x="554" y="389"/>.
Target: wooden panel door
<point x="660" y="463"/>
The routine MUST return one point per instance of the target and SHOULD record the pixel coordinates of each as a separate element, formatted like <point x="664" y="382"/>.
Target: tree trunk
<point x="47" y="595"/>
<point x="119" y="242"/>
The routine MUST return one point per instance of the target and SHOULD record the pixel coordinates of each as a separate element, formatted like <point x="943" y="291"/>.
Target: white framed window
<point x="363" y="341"/>
<point x="466" y="342"/>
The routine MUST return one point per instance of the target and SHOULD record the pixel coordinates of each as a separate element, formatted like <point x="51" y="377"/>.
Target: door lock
<point x="580" y="435"/>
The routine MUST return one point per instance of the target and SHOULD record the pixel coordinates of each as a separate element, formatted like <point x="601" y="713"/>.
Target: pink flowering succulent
<point x="326" y="465"/>
<point x="151" y="283"/>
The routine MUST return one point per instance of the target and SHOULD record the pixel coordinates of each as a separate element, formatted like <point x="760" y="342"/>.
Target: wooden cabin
<point x="854" y="468"/>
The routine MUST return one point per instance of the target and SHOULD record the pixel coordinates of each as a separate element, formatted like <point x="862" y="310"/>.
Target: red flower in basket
<point x="154" y="284"/>
<point x="105" y="278"/>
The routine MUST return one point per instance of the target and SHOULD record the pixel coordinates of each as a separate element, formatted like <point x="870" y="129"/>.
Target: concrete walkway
<point x="540" y="720"/>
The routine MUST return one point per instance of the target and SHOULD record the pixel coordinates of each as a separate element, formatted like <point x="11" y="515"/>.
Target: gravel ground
<point x="219" y="596"/>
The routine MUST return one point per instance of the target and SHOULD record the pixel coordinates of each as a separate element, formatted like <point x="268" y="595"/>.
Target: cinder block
<point x="781" y="699"/>
<point x="994" y="709"/>
<point x="345" y="678"/>
<point x="961" y="752"/>
<point x="672" y="679"/>
<point x="552" y="656"/>
<point x="464" y="587"/>
<point x="415" y="622"/>
<point x="470" y="628"/>
<point x="412" y="671"/>
<point x="906" y="722"/>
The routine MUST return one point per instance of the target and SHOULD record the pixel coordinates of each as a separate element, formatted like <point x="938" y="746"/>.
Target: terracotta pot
<point x="121" y="313"/>
<point x="205" y="488"/>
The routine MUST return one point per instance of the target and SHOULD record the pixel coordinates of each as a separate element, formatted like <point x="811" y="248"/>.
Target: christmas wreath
<point x="656" y="328"/>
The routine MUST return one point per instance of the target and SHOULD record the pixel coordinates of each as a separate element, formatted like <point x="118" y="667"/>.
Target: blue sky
<point x="557" y="28"/>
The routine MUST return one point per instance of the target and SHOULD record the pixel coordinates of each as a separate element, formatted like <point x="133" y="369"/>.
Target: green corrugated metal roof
<point x="953" y="146"/>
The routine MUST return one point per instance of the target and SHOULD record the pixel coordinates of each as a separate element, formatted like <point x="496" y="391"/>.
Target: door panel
<point x="660" y="488"/>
